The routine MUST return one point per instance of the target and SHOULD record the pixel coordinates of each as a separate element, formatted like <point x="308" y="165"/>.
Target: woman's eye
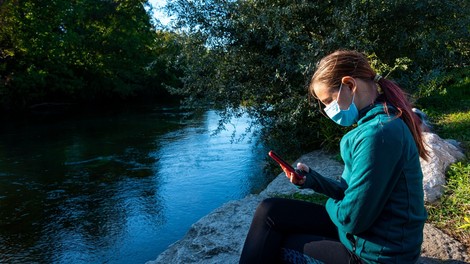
<point x="327" y="102"/>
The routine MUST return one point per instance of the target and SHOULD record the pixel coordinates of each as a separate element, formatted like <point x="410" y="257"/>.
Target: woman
<point x="376" y="213"/>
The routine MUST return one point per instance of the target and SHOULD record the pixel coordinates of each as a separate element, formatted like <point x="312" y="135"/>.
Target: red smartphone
<point x="283" y="163"/>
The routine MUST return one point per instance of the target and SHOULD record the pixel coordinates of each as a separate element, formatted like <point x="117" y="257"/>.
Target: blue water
<point x="117" y="188"/>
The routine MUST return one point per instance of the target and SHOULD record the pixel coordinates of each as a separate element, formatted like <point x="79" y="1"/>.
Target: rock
<point x="215" y="238"/>
<point x="438" y="246"/>
<point x="219" y="236"/>
<point x="442" y="153"/>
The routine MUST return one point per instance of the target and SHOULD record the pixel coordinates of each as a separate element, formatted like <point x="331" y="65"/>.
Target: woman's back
<point x="384" y="196"/>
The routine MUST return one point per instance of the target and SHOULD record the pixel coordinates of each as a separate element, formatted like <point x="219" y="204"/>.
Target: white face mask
<point x="342" y="117"/>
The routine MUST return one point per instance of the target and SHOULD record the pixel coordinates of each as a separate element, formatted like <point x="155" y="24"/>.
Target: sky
<point x="159" y="14"/>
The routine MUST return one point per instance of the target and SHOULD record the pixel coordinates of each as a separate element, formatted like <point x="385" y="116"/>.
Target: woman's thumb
<point x="303" y="167"/>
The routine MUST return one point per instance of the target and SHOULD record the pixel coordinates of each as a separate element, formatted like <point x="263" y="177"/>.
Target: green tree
<point x="76" y="51"/>
<point x="164" y="71"/>
<point x="258" y="56"/>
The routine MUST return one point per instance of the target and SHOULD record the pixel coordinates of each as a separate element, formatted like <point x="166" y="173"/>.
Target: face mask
<point x="342" y="117"/>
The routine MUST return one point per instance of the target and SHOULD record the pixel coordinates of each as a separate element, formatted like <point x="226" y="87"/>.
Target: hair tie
<point x="377" y="78"/>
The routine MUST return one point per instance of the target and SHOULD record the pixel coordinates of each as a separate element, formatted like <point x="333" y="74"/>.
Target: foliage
<point x="449" y="111"/>
<point x="467" y="224"/>
<point x="77" y="51"/>
<point x="452" y="211"/>
<point x="258" y="56"/>
<point x="164" y="71"/>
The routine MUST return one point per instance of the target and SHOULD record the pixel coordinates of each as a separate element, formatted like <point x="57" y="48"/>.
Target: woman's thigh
<point x="276" y="219"/>
<point x="294" y="216"/>
<point x="301" y="248"/>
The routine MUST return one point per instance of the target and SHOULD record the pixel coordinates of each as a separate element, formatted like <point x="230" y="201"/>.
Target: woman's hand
<point x="292" y="178"/>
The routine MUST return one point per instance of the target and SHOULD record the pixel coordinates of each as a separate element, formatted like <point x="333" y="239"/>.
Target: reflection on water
<point x="116" y="189"/>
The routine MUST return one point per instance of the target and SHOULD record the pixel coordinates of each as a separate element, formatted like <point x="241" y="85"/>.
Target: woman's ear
<point x="350" y="82"/>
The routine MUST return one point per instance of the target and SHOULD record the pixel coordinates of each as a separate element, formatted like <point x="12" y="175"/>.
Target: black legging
<point x="292" y="225"/>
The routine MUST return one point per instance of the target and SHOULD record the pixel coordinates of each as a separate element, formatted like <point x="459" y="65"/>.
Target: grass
<point x="451" y="214"/>
<point x="449" y="112"/>
<point x="313" y="198"/>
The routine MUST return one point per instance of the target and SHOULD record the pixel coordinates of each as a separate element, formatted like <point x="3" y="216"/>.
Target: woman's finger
<point x="303" y="167"/>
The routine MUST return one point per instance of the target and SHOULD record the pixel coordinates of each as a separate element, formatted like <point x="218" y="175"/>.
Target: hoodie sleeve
<point x="329" y="187"/>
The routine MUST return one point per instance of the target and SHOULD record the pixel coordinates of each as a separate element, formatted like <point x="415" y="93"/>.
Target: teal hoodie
<point x="380" y="210"/>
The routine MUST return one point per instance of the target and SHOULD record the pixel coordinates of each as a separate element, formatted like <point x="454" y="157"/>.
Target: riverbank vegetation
<point x="262" y="54"/>
<point x="65" y="53"/>
<point x="449" y="111"/>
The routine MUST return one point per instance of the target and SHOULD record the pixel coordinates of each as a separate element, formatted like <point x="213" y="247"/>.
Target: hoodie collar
<point x="375" y="109"/>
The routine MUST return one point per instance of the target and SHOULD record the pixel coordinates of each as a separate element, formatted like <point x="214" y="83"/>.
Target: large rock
<point x="219" y="236"/>
<point x="441" y="154"/>
<point x="215" y="238"/>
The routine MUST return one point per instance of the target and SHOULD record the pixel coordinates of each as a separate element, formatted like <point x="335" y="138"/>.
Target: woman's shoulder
<point x="380" y="117"/>
<point x="382" y="126"/>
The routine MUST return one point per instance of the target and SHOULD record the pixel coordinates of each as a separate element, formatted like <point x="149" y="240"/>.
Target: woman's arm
<point x="329" y="187"/>
<point x="376" y="165"/>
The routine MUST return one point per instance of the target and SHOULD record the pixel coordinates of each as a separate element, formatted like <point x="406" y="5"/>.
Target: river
<point x="117" y="188"/>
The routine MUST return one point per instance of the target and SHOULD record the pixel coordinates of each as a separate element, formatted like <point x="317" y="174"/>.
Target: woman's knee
<point x="271" y="206"/>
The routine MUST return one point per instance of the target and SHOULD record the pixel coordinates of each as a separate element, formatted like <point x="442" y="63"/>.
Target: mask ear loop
<point x="353" y="93"/>
<point x="339" y="93"/>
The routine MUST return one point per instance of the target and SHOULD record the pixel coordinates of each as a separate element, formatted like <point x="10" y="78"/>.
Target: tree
<point x="75" y="51"/>
<point x="258" y="56"/>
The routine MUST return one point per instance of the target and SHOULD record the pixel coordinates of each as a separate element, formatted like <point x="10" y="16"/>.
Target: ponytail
<point x="394" y="95"/>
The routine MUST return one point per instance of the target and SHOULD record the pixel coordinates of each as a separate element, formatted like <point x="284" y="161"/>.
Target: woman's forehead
<point x="325" y="93"/>
<point x="322" y="91"/>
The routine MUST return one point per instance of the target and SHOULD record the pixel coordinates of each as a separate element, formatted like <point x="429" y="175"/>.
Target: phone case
<point x="283" y="163"/>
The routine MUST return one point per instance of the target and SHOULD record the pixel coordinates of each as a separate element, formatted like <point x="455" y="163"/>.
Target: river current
<point x="118" y="188"/>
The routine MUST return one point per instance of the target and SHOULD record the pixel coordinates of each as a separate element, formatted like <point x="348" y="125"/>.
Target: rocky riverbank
<point x="219" y="236"/>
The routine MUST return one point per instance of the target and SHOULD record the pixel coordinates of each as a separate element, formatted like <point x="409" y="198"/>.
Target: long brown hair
<point x="332" y="68"/>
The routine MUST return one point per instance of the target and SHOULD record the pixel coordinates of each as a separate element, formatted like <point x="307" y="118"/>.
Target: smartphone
<point x="282" y="162"/>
